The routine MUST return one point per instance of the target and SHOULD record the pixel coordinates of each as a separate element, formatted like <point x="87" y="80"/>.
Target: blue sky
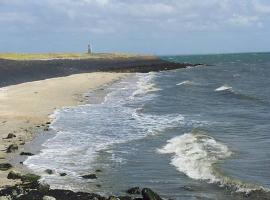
<point x="142" y="26"/>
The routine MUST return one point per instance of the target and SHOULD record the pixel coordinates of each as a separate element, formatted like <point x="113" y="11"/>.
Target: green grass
<point x="48" y="56"/>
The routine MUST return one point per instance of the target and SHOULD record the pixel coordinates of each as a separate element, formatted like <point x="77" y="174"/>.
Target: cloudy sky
<point x="142" y="26"/>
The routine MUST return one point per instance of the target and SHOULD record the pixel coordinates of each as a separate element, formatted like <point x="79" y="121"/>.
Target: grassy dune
<point x="51" y="56"/>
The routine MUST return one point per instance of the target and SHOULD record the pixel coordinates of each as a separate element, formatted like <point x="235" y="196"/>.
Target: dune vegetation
<point x="51" y="56"/>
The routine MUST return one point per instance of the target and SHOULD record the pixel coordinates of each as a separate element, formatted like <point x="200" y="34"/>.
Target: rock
<point x="10" y="135"/>
<point x="48" y="123"/>
<point x="49" y="171"/>
<point x="5" y="198"/>
<point x="188" y="188"/>
<point x="113" y="198"/>
<point x="98" y="170"/>
<point x="62" y="174"/>
<point x="98" y="185"/>
<point x="30" y="178"/>
<point x="12" y="148"/>
<point x="5" y="166"/>
<point x="149" y="194"/>
<point x="134" y="190"/>
<point x="46" y="129"/>
<point x="48" y="198"/>
<point x="43" y="188"/>
<point x="14" y="175"/>
<point x="125" y="198"/>
<point x="90" y="176"/>
<point x="26" y="154"/>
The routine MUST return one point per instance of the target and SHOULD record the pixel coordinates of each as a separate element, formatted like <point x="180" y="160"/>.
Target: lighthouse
<point x="89" y="49"/>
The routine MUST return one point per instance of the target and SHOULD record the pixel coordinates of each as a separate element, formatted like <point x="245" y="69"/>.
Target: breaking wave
<point x="196" y="155"/>
<point x="224" y="88"/>
<point x="187" y="82"/>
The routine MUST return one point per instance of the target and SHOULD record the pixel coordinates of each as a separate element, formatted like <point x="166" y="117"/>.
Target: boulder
<point x="49" y="171"/>
<point x="12" y="148"/>
<point x="10" y="136"/>
<point x="63" y="174"/>
<point x="30" y="178"/>
<point x="43" y="188"/>
<point x="149" y="194"/>
<point x="5" y="198"/>
<point x="113" y="198"/>
<point x="5" y="166"/>
<point x="90" y="176"/>
<point x="48" y="198"/>
<point x="14" y="175"/>
<point x="134" y="190"/>
<point x="26" y="154"/>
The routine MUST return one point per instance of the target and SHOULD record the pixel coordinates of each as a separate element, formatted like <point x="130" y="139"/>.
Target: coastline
<point x="26" y="107"/>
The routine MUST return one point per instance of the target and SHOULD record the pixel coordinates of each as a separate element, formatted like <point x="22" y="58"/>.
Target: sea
<point x="196" y="133"/>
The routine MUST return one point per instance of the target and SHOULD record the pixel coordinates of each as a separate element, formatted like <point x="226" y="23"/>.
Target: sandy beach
<point x="26" y="107"/>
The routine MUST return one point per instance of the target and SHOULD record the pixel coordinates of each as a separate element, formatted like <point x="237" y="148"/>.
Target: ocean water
<point x="196" y="133"/>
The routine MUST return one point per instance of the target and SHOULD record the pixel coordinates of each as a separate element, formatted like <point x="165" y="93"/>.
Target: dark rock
<point x="48" y="123"/>
<point x="149" y="194"/>
<point x="12" y="148"/>
<point x="138" y="198"/>
<point x="43" y="188"/>
<point x="134" y="190"/>
<point x="14" y="175"/>
<point x="62" y="174"/>
<point x="5" y="166"/>
<point x="10" y="135"/>
<point x="125" y="198"/>
<point x="26" y="154"/>
<point x="48" y="198"/>
<point x="30" y="178"/>
<point x="113" y="198"/>
<point x="49" y="171"/>
<point x="90" y="176"/>
<point x="188" y="188"/>
<point x="46" y="129"/>
<point x="98" y="170"/>
<point x="98" y="185"/>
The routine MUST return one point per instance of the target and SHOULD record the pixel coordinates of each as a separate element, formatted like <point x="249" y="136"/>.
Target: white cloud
<point x="261" y="8"/>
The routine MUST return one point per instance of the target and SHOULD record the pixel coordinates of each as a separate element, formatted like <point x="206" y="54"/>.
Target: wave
<point x="145" y="85"/>
<point x="224" y="88"/>
<point x="236" y="94"/>
<point x="196" y="155"/>
<point x="187" y="82"/>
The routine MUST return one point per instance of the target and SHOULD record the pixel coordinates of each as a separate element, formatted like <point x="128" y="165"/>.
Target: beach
<point x="26" y="107"/>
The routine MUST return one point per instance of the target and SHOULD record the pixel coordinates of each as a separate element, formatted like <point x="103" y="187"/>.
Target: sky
<point x="159" y="27"/>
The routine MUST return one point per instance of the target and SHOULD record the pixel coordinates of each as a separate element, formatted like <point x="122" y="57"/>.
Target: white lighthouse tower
<point x="89" y="49"/>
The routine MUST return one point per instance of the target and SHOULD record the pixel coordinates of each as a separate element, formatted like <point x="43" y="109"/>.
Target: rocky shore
<point x="20" y="71"/>
<point x="31" y="189"/>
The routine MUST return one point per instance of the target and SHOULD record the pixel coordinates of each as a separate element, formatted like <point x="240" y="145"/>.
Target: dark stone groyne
<point x="19" y="71"/>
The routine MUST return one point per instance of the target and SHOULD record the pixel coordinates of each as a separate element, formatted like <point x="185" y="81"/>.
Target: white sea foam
<point x="145" y="85"/>
<point x="195" y="154"/>
<point x="187" y="82"/>
<point x="223" y="88"/>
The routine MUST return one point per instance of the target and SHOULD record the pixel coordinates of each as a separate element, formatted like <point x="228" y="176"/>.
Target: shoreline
<point x="26" y="109"/>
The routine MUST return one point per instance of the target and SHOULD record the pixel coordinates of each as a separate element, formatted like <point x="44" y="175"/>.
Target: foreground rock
<point x="134" y="190"/>
<point x="149" y="194"/>
<point x="12" y="148"/>
<point x="5" y="166"/>
<point x="33" y="190"/>
<point x="90" y="176"/>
